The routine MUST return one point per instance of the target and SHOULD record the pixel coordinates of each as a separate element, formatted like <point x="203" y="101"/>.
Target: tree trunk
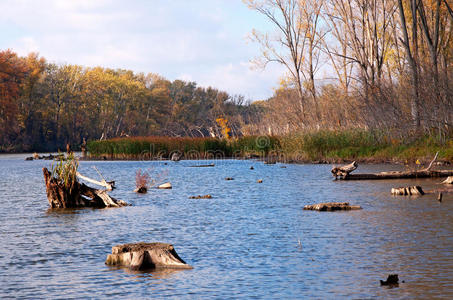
<point x="78" y="196"/>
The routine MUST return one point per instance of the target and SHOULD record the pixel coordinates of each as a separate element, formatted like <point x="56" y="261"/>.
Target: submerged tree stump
<point x="332" y="206"/>
<point x="79" y="195"/>
<point x="408" y="191"/>
<point x="143" y="256"/>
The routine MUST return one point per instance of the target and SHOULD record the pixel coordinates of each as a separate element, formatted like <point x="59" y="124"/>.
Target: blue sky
<point x="197" y="40"/>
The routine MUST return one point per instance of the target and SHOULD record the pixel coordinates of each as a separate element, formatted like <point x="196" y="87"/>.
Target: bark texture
<point x="80" y="195"/>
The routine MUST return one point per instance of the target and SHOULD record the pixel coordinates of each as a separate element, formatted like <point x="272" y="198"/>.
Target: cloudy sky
<point x="197" y="40"/>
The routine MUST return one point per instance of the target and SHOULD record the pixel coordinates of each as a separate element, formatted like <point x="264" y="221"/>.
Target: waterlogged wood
<point x="408" y="191"/>
<point x="165" y="186"/>
<point x="108" y="185"/>
<point x="332" y="206"/>
<point x="399" y="175"/>
<point x="422" y="173"/>
<point x="79" y="195"/>
<point x="143" y="256"/>
<point x="201" y="197"/>
<point x="418" y="191"/>
<point x="202" y="166"/>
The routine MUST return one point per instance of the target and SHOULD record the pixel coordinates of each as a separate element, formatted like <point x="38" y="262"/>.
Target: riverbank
<point x="316" y="147"/>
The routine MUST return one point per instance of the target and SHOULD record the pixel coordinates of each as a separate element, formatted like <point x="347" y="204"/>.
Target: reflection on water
<point x="151" y="274"/>
<point x="249" y="241"/>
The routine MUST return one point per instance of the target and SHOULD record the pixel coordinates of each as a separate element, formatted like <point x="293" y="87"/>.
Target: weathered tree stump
<point x="60" y="196"/>
<point x="449" y="180"/>
<point x="141" y="190"/>
<point x="143" y="256"/>
<point x="392" y="279"/>
<point x="332" y="206"/>
<point x="408" y="191"/>
<point x="418" y="191"/>
<point x="176" y="156"/>
<point x="344" y="171"/>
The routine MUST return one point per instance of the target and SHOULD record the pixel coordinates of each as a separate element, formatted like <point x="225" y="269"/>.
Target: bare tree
<point x="297" y="23"/>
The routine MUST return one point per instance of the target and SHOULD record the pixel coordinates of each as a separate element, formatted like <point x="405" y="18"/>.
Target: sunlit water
<point x="250" y="241"/>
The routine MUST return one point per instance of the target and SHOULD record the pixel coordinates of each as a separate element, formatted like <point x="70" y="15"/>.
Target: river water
<point x="250" y="240"/>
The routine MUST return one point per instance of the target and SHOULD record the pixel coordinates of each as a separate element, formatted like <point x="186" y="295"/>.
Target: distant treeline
<point x="44" y="106"/>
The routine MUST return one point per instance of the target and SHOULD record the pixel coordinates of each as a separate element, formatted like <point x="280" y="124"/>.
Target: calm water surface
<point x="243" y="243"/>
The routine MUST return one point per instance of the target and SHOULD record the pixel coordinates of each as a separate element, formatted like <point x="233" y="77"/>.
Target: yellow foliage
<point x="223" y="123"/>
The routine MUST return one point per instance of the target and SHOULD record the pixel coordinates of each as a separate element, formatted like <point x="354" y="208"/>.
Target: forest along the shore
<point x="389" y="87"/>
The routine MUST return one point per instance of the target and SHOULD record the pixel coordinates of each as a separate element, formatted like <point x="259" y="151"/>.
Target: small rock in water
<point x="392" y="279"/>
<point x="164" y="186"/>
<point x="252" y="168"/>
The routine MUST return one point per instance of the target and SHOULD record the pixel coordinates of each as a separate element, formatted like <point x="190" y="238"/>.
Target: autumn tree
<point x="12" y="73"/>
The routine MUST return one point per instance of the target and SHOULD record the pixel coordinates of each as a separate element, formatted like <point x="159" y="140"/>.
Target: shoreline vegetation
<point x="311" y="147"/>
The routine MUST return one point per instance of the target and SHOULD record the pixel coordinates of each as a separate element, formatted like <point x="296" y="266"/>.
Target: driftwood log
<point x="344" y="173"/>
<point x="400" y="175"/>
<point x="80" y="195"/>
<point x="143" y="256"/>
<point x="332" y="206"/>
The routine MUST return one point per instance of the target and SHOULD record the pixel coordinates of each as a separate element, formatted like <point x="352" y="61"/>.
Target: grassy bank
<point x="366" y="146"/>
<point x="191" y="148"/>
<point x="327" y="146"/>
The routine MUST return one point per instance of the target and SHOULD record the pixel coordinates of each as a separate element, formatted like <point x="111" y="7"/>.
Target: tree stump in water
<point x="142" y="256"/>
<point x="408" y="191"/>
<point x="344" y="171"/>
<point x="59" y="196"/>
<point x="332" y="206"/>
<point x="449" y="180"/>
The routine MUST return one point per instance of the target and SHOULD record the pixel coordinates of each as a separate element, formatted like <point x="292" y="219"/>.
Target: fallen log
<point x="344" y="173"/>
<point x="143" y="256"/>
<point x="108" y="185"/>
<point x="76" y="196"/>
<point x="202" y="166"/>
<point x="332" y="206"/>
<point x="399" y="175"/>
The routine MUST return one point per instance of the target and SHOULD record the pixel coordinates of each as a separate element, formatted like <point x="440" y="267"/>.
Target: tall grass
<point x="364" y="145"/>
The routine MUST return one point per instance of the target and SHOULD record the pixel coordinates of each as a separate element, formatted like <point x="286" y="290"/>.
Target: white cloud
<point x="198" y="40"/>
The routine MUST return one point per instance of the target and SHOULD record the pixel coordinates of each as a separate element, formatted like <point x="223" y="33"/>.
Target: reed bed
<point x="328" y="146"/>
